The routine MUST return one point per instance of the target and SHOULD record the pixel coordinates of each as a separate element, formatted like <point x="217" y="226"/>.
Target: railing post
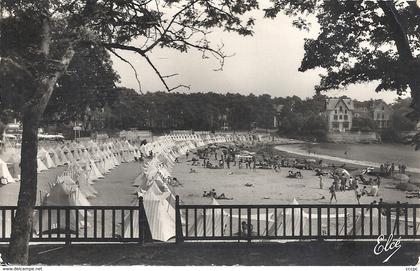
<point x="388" y="220"/>
<point x="67" y="227"/>
<point x="248" y="222"/>
<point x="319" y="223"/>
<point x="142" y="224"/>
<point x="178" y="225"/>
<point x="397" y="219"/>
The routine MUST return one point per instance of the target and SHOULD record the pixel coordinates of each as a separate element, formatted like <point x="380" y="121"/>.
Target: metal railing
<point x="221" y="222"/>
<point x="296" y="222"/>
<point x="81" y="223"/>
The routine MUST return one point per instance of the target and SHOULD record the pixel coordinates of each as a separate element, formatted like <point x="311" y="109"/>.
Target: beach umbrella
<point x="342" y="171"/>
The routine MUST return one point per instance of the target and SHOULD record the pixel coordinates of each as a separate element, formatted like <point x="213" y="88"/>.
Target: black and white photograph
<point x="209" y="133"/>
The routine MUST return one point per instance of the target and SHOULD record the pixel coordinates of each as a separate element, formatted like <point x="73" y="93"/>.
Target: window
<point x="346" y="117"/>
<point x="345" y="111"/>
<point x="341" y="108"/>
<point x="341" y="117"/>
<point x="345" y="125"/>
<point x="335" y="111"/>
<point x="383" y="108"/>
<point x="335" y="117"/>
<point x="383" y="116"/>
<point x="335" y="124"/>
<point x="378" y="115"/>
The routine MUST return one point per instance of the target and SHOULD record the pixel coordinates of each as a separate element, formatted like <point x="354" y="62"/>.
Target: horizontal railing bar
<point x="76" y="207"/>
<point x="280" y="237"/>
<point x="331" y="206"/>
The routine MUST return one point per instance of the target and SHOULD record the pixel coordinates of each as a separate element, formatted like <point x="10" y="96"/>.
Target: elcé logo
<point x="390" y="244"/>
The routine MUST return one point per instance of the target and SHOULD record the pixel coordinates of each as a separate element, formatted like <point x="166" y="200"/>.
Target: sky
<point x="266" y="63"/>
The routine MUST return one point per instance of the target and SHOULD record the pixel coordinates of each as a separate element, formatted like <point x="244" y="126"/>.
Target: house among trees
<point x="339" y="113"/>
<point x="381" y="114"/>
<point x="344" y="114"/>
<point x="278" y="108"/>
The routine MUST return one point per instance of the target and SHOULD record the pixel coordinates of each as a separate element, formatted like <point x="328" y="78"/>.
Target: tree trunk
<point x="32" y="114"/>
<point x="400" y="37"/>
<point x="22" y="223"/>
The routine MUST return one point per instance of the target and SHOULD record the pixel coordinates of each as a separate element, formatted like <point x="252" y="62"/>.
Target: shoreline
<point x="335" y="158"/>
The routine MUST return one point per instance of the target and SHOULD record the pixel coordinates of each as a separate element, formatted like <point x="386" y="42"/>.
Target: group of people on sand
<point x="212" y="194"/>
<point x="343" y="182"/>
<point x="389" y="168"/>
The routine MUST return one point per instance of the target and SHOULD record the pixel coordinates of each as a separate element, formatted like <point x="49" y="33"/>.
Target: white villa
<point x="339" y="112"/>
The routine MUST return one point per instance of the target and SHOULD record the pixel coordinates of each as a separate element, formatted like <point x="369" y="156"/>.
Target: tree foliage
<point x="361" y="41"/>
<point x="40" y="39"/>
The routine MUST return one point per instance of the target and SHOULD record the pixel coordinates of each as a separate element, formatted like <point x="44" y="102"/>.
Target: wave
<point x="293" y="150"/>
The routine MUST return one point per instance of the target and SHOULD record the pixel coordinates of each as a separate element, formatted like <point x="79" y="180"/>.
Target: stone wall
<point x="353" y="137"/>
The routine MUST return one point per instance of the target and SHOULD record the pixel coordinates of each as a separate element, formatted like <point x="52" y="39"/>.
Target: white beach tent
<point x="4" y="172"/>
<point x="45" y="158"/>
<point x="207" y="219"/>
<point x="93" y="172"/>
<point x="160" y="214"/>
<point x="60" y="153"/>
<point x="54" y="156"/>
<point x="61" y="194"/>
<point x="14" y="165"/>
<point x="41" y="166"/>
<point x="85" y="187"/>
<point x="292" y="225"/>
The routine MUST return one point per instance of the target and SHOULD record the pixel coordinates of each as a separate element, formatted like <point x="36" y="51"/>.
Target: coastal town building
<point x="339" y="113"/>
<point x="381" y="114"/>
<point x="277" y="115"/>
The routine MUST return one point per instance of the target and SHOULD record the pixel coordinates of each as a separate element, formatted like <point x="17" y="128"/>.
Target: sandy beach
<point x="268" y="186"/>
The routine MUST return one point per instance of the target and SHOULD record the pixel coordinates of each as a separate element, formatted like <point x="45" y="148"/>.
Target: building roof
<point x="331" y="103"/>
<point x="379" y="103"/>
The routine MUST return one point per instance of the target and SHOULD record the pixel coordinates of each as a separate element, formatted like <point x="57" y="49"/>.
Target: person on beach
<point x="378" y="181"/>
<point x="364" y="191"/>
<point x="357" y="194"/>
<point x="333" y="194"/>
<point x="343" y="183"/>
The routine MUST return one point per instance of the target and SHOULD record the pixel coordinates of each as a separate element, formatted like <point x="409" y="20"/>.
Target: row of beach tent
<point x="101" y="156"/>
<point x="155" y="183"/>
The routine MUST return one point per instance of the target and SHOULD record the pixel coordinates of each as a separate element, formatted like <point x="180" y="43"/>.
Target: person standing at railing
<point x="244" y="228"/>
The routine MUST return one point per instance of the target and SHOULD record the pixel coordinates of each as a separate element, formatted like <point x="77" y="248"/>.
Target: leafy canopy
<point x="355" y="43"/>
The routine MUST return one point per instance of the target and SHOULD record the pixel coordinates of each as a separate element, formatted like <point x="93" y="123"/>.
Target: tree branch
<point x="162" y="77"/>
<point x="7" y="61"/>
<point x="132" y="67"/>
<point x="143" y="54"/>
<point x="165" y="31"/>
